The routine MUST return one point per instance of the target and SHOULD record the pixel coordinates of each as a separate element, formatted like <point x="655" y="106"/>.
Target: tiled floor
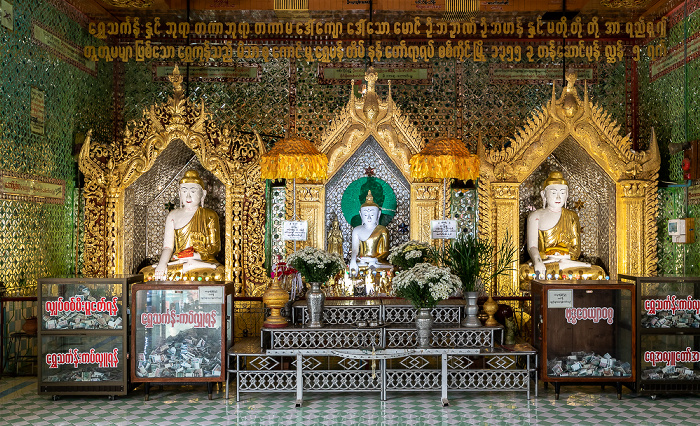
<point x="184" y="405"/>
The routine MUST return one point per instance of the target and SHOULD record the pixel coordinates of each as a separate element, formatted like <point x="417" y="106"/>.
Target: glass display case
<point x="83" y="335"/>
<point x="180" y="332"/>
<point x="668" y="341"/>
<point x="585" y="332"/>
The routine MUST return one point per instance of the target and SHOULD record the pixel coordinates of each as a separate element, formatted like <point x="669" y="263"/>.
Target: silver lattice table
<point x="360" y="370"/>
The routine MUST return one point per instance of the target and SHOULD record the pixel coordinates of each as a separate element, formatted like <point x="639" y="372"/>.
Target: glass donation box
<point x="83" y="335"/>
<point x="585" y="332"/>
<point x="180" y="332"/>
<point x="668" y="343"/>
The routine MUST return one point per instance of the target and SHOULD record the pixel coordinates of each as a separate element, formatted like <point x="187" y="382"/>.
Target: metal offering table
<point x="501" y="368"/>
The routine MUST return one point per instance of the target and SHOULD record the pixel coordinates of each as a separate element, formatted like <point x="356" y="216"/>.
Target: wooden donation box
<point x="83" y="335"/>
<point x="585" y="332"/>
<point x="180" y="332"/>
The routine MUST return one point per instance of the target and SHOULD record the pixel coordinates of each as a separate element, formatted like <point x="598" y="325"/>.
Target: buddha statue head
<point x="370" y="211"/>
<point x="192" y="192"/>
<point x="555" y="191"/>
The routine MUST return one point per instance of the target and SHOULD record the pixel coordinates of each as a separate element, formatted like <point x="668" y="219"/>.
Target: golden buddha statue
<point x="370" y="241"/>
<point x="554" y="238"/>
<point x="191" y="239"/>
<point x="335" y="238"/>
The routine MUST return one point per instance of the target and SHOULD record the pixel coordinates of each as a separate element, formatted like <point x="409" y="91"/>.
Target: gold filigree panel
<point x="506" y="209"/>
<point x="310" y="207"/>
<point x="426" y="203"/>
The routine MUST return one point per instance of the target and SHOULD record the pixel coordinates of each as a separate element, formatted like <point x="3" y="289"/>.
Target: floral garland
<point x="424" y="285"/>
<point x="409" y="254"/>
<point x="316" y="265"/>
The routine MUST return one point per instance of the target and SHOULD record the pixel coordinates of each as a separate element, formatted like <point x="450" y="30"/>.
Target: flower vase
<point x="471" y="308"/>
<point x="314" y="304"/>
<point x="424" y="328"/>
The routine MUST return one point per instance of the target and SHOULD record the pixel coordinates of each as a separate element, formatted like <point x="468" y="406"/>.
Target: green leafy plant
<point x="471" y="258"/>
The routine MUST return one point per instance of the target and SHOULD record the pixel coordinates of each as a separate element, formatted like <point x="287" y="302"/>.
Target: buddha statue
<point x="335" y="238"/>
<point x="192" y="238"/>
<point x="554" y="238"/>
<point x="370" y="240"/>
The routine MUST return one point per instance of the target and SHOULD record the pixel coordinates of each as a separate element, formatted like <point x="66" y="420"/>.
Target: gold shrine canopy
<point x="445" y="158"/>
<point x="293" y="158"/>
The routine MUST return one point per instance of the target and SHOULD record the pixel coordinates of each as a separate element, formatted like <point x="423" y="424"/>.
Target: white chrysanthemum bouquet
<point x="424" y="285"/>
<point x="316" y="265"/>
<point x="409" y="254"/>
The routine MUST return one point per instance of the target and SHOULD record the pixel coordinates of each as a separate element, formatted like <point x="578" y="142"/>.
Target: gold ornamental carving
<point x="370" y="116"/>
<point x="310" y="203"/>
<point x="573" y="116"/>
<point x="426" y="205"/>
<point x="232" y="157"/>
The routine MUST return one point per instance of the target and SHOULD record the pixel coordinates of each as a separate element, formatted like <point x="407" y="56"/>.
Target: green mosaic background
<point x="38" y="239"/>
<point x="671" y="105"/>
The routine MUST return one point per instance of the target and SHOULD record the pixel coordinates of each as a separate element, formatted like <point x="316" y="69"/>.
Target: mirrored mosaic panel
<point x="150" y="198"/>
<point x="369" y="155"/>
<point x="591" y="196"/>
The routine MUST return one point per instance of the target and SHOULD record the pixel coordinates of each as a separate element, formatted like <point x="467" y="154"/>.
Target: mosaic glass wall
<point x="39" y="239"/>
<point x="668" y="102"/>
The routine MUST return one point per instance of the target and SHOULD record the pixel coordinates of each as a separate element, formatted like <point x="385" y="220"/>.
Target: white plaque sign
<point x="443" y="229"/>
<point x="295" y="230"/>
<point x="211" y="295"/>
<point x="560" y="298"/>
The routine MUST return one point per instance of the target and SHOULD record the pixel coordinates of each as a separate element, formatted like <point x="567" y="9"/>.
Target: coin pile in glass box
<point x="85" y="374"/>
<point x="669" y="372"/>
<point x="582" y="364"/>
<point x="666" y="319"/>
<point x="190" y="353"/>
<point x="80" y="321"/>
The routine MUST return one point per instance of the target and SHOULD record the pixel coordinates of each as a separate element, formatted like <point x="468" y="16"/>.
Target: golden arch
<point x="635" y="175"/>
<point x="233" y="158"/>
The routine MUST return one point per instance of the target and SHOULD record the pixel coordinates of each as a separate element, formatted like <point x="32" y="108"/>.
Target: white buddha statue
<point x="191" y="239"/>
<point x="554" y="236"/>
<point x="370" y="241"/>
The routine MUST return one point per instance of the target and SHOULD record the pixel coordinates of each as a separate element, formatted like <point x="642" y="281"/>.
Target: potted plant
<point x="316" y="266"/>
<point x="409" y="254"/>
<point x="476" y="260"/>
<point x="424" y="285"/>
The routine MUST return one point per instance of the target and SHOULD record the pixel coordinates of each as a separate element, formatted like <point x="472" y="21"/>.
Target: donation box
<point x="180" y="331"/>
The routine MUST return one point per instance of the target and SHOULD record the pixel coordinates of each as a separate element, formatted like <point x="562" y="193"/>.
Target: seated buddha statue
<point x="370" y="240"/>
<point x="192" y="238"/>
<point x="554" y="238"/>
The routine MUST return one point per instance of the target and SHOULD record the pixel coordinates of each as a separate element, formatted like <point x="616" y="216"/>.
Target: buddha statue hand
<point x="353" y="268"/>
<point x="161" y="272"/>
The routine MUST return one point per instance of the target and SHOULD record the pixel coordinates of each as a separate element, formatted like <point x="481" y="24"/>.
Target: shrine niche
<point x="121" y="229"/>
<point x="369" y="137"/>
<point x="614" y="188"/>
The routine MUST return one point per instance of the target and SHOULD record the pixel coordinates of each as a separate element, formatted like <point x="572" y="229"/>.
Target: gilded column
<point x="234" y="243"/>
<point x="95" y="242"/>
<point x="630" y="200"/>
<point x="426" y="199"/>
<point x="506" y="211"/>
